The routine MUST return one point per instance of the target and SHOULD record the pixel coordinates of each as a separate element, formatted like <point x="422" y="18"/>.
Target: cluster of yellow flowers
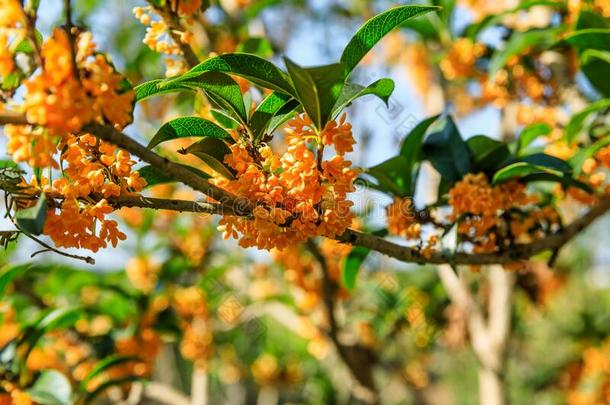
<point x="297" y="195"/>
<point x="488" y="214"/>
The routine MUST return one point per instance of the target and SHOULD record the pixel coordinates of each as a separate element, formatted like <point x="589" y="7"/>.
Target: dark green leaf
<point x="488" y="154"/>
<point x="548" y="161"/>
<point x="185" y="127"/>
<point x="393" y="175"/>
<point x="212" y="151"/>
<point x="224" y="92"/>
<point x="317" y="89"/>
<point x="382" y="88"/>
<point x="254" y="68"/>
<point x="590" y="38"/>
<point x="411" y="148"/>
<point x="376" y="28"/>
<point x="153" y="88"/>
<point x="265" y="112"/>
<point x="32" y="219"/>
<point x="447" y="152"/>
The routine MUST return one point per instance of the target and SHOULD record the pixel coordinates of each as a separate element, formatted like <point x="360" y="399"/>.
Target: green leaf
<point x="153" y="88"/>
<point x="154" y="176"/>
<point x="544" y="160"/>
<point x="59" y="318"/>
<point x="527" y="172"/>
<point x="32" y="219"/>
<point x="577" y="121"/>
<point x="105" y="365"/>
<point x="256" y="45"/>
<point x="382" y="88"/>
<point x="224" y="92"/>
<point x="529" y="135"/>
<point x="354" y="260"/>
<point x="51" y="388"/>
<point x="351" y="266"/>
<point x="590" y="19"/>
<point x="265" y="111"/>
<point x="9" y="272"/>
<point x="317" y="89"/>
<point x="590" y="38"/>
<point x="254" y="68"/>
<point x="212" y="152"/>
<point x="488" y="154"/>
<point x="411" y="148"/>
<point x="376" y="28"/>
<point x="447" y="152"/>
<point x="393" y="175"/>
<point x="519" y="42"/>
<point x="185" y="127"/>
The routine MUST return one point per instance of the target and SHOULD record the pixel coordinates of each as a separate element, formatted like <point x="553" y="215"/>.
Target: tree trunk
<point x="491" y="387"/>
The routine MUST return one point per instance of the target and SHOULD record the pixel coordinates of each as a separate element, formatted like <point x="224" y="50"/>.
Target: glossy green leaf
<point x="51" y="388"/>
<point x="265" y="111"/>
<point x="530" y="134"/>
<point x="447" y="152"/>
<point x="252" y="67"/>
<point x="155" y="176"/>
<point x="185" y="127"/>
<point x="212" y="152"/>
<point x="317" y="89"/>
<point x="393" y="175"/>
<point x="576" y="123"/>
<point x="519" y="42"/>
<point x="382" y="88"/>
<point x="32" y="219"/>
<point x="544" y="160"/>
<point x="487" y="153"/>
<point x="376" y="28"/>
<point x="224" y="92"/>
<point x="153" y="88"/>
<point x="411" y="148"/>
<point x="527" y="172"/>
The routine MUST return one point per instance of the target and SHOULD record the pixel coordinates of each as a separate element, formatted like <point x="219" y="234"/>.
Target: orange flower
<point x="460" y="59"/>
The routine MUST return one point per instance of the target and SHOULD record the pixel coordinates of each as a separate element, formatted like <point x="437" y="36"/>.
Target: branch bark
<point x="358" y="359"/>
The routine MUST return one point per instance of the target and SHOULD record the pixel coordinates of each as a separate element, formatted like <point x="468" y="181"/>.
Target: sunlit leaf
<point x="186" y="127"/>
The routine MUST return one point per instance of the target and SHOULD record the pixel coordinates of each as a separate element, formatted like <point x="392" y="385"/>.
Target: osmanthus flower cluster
<point x="74" y="86"/>
<point x="298" y="194"/>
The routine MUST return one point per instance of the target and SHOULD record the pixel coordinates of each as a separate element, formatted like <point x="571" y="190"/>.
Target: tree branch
<point x="243" y="207"/>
